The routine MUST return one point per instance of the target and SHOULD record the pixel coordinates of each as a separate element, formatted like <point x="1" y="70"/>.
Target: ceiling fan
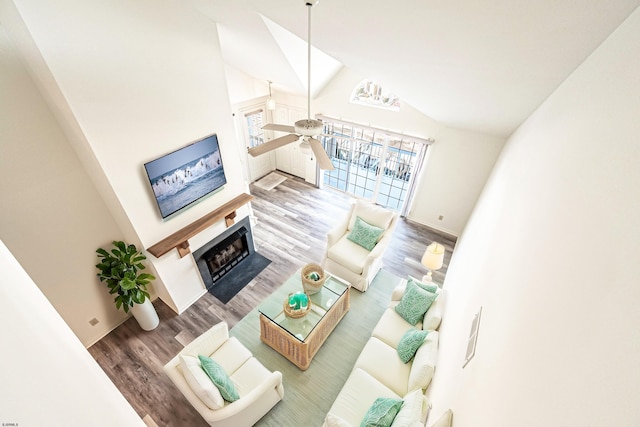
<point x="306" y="129"/>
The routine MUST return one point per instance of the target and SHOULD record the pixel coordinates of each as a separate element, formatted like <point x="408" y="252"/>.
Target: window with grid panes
<point x="255" y="120"/>
<point x="371" y="163"/>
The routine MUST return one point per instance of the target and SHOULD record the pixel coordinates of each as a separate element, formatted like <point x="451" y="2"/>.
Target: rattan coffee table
<point x="299" y="339"/>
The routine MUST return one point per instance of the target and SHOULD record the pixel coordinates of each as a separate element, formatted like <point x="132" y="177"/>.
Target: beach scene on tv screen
<point x="184" y="176"/>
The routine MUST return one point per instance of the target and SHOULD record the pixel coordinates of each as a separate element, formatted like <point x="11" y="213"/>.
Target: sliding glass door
<point x="373" y="164"/>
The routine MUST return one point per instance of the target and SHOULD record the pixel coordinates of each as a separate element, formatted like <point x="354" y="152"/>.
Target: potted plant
<point x="120" y="269"/>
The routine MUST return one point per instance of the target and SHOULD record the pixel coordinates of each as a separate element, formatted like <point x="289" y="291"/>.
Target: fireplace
<point x="219" y="260"/>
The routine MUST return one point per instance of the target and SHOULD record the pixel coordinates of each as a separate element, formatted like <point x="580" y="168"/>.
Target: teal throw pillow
<point x="382" y="412"/>
<point x="219" y="378"/>
<point x="364" y="234"/>
<point x="431" y="287"/>
<point x="414" y="303"/>
<point x="409" y="343"/>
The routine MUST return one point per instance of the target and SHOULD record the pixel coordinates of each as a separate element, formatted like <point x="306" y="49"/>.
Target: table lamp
<point x="432" y="259"/>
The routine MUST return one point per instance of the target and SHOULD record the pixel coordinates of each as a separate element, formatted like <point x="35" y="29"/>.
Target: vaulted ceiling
<point x="478" y="65"/>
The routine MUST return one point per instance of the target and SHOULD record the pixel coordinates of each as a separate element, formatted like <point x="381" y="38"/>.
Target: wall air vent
<point x="473" y="338"/>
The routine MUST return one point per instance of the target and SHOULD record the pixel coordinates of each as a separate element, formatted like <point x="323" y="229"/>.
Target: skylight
<point x="294" y="50"/>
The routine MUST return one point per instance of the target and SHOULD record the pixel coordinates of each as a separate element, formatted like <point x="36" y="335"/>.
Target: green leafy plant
<point x="119" y="268"/>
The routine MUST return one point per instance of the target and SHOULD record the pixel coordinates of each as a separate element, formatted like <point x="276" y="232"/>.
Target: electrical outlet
<point x="441" y="217"/>
<point x="93" y="322"/>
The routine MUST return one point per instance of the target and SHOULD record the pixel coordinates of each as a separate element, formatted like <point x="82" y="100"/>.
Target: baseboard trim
<point x="443" y="233"/>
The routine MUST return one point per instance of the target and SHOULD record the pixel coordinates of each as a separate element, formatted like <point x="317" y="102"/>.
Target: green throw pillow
<point x="409" y="343"/>
<point x="430" y="287"/>
<point x="365" y="235"/>
<point x="382" y="412"/>
<point x="414" y="303"/>
<point x="219" y="378"/>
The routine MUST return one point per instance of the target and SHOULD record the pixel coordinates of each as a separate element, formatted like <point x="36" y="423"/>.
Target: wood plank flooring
<point x="292" y="222"/>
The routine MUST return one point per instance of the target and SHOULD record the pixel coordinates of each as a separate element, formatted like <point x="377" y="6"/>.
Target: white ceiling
<point x="482" y="65"/>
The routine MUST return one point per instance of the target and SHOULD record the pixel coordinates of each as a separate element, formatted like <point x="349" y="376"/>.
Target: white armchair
<point x="349" y="260"/>
<point x="259" y="388"/>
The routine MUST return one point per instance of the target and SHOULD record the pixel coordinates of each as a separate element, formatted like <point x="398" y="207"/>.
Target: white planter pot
<point x="146" y="315"/>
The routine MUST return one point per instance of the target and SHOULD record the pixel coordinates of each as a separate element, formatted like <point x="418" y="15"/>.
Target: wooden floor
<point x="292" y="222"/>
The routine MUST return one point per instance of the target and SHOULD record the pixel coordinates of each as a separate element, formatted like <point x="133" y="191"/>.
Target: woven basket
<point x="312" y="286"/>
<point x="295" y="314"/>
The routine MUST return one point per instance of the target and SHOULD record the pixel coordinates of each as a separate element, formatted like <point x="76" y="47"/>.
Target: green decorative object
<point x="364" y="234"/>
<point x="119" y="268"/>
<point x="219" y="378"/>
<point x="296" y="305"/>
<point x="298" y="301"/>
<point x="314" y="276"/>
<point x="409" y="344"/>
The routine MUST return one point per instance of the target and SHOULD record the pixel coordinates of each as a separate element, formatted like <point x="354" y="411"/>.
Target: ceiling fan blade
<point x="324" y="161"/>
<point x="279" y="128"/>
<point x="273" y="144"/>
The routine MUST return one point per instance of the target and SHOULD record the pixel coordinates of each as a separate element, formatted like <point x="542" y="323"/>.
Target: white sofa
<point x="379" y="372"/>
<point x="347" y="259"/>
<point x="259" y="388"/>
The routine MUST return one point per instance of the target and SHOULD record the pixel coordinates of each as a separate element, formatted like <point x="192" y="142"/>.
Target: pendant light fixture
<point x="271" y="104"/>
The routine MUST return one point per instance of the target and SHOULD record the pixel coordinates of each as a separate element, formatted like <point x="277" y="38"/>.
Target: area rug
<point x="228" y="286"/>
<point x="308" y="395"/>
<point x="271" y="181"/>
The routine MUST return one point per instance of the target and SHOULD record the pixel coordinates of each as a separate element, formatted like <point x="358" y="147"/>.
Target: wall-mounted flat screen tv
<point x="187" y="175"/>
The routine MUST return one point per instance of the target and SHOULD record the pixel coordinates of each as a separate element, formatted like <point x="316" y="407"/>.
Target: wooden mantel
<point x="180" y="239"/>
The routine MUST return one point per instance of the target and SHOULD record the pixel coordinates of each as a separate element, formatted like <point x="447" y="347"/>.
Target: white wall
<point x="551" y="254"/>
<point x="457" y="167"/>
<point x="142" y="79"/>
<point x="458" y="163"/>
<point x="243" y="87"/>
<point x="43" y="387"/>
<point x="52" y="217"/>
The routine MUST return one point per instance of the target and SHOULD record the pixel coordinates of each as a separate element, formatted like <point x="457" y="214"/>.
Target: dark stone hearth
<point x="228" y="286"/>
<point x="228" y="262"/>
